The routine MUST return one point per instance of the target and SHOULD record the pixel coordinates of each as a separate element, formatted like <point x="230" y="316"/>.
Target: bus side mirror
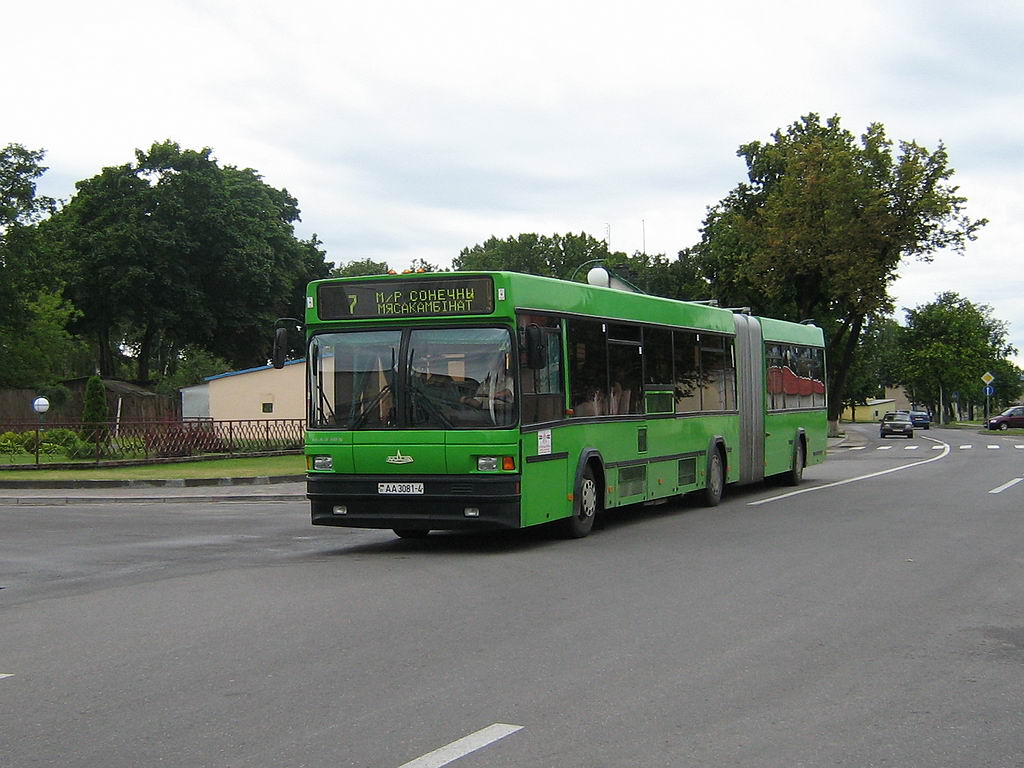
<point x="536" y="347"/>
<point x="280" y="352"/>
<point x="280" y="347"/>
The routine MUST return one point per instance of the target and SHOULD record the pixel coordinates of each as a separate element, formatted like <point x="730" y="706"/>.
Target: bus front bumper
<point x="448" y="502"/>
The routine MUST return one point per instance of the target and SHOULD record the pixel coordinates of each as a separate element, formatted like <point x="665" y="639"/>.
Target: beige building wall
<point x="249" y="394"/>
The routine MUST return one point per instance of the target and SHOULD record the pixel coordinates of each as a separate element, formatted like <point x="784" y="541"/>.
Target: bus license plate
<point x="400" y="488"/>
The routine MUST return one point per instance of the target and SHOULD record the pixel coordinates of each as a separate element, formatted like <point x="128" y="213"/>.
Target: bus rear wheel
<point x="796" y="472"/>
<point x="587" y="505"/>
<point x="715" y="484"/>
<point x="410" y="533"/>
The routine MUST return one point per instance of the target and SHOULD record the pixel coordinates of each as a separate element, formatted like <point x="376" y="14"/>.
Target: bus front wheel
<point x="587" y="505"/>
<point x="715" y="480"/>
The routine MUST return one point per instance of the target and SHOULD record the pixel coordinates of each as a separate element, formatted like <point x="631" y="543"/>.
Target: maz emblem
<point x="398" y="458"/>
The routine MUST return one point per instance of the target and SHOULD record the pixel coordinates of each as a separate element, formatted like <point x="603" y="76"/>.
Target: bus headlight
<point x="323" y="463"/>
<point x="486" y="463"/>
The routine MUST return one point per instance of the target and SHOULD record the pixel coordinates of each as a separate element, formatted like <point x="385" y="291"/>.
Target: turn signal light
<point x="508" y="462"/>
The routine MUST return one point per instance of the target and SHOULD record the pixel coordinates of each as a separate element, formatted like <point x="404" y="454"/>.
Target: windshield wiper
<point x="368" y="407"/>
<point x="430" y="405"/>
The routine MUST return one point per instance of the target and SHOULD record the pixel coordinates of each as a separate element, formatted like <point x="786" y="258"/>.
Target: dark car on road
<point x="1011" y="418"/>
<point x="920" y="419"/>
<point x="896" y="423"/>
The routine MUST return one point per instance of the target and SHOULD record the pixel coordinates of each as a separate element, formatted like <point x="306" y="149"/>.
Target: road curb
<point x="60" y="501"/>
<point x="198" y="482"/>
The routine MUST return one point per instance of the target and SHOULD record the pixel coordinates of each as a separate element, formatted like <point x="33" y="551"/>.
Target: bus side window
<point x="588" y="368"/>
<point x="714" y="368"/>
<point x="686" y="355"/>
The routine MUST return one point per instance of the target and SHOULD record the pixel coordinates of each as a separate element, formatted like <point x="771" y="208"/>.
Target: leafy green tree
<point x="659" y="275"/>
<point x="35" y="344"/>
<point x="563" y="256"/>
<point x="947" y="345"/>
<point x="360" y="267"/>
<point x="174" y="249"/>
<point x="39" y="351"/>
<point x="192" y="366"/>
<point x="819" y="228"/>
<point x="549" y="256"/>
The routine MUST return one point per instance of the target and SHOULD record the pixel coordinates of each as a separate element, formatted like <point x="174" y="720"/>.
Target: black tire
<point x="585" y="508"/>
<point x="911" y="435"/>
<point x="410" y="533"/>
<point x="714" y="486"/>
<point x="1003" y="427"/>
<point x="796" y="472"/>
<point x="882" y="435"/>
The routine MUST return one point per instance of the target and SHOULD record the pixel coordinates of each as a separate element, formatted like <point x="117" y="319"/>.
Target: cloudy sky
<point x="412" y="130"/>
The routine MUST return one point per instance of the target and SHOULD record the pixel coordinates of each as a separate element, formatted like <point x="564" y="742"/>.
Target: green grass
<point x="243" y="467"/>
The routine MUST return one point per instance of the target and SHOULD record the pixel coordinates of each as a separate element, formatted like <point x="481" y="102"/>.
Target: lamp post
<point x="40" y="405"/>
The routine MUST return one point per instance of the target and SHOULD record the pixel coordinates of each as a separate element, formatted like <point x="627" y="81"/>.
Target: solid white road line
<point x="945" y="452"/>
<point x="463" y="746"/>
<point x="1018" y="445"/>
<point x="2" y="675"/>
<point x="1004" y="486"/>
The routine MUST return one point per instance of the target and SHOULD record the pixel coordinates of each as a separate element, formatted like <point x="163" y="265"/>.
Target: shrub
<point x="60" y="436"/>
<point x="28" y="441"/>
<point x="10" y="444"/>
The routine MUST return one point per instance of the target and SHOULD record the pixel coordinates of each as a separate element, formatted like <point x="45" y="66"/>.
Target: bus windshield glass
<point x="451" y="378"/>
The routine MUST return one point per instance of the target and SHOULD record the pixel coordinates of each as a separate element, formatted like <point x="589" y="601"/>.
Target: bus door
<point x="546" y="454"/>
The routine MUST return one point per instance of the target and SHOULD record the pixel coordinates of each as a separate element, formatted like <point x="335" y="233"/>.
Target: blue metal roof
<point x="252" y="370"/>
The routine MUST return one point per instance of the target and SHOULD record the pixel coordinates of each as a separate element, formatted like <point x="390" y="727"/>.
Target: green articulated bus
<point x="498" y="400"/>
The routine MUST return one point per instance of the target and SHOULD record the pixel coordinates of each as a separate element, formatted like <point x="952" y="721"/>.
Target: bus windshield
<point x="422" y="378"/>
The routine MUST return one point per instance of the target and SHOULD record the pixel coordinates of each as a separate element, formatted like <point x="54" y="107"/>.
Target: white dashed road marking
<point x="463" y="746"/>
<point x="911" y="448"/>
<point x="965" y="447"/>
<point x="993" y="447"/>
<point x="2" y="675"/>
<point x="885" y="447"/>
<point x="945" y="452"/>
<point x="857" y="448"/>
<point x="1004" y="486"/>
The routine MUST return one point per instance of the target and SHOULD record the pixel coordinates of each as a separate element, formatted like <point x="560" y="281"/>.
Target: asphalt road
<point x="878" y="622"/>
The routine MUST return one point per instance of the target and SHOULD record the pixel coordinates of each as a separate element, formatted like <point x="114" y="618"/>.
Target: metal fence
<point x="143" y="440"/>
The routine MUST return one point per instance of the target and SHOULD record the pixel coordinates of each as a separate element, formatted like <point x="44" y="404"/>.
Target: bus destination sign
<point x="414" y="297"/>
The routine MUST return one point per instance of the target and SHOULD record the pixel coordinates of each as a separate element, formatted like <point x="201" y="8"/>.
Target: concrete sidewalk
<point x="250" y="489"/>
